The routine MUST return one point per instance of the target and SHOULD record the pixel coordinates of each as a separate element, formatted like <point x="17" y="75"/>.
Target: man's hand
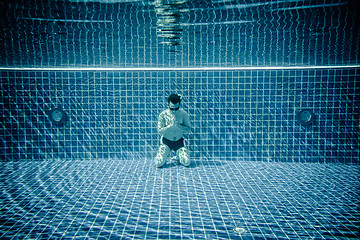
<point x="172" y="122"/>
<point x="178" y="124"/>
<point x="182" y="127"/>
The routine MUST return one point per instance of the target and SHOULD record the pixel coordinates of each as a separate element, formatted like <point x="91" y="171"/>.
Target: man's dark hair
<point x="174" y="98"/>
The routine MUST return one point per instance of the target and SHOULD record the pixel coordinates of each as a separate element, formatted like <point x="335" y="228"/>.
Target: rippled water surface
<point x="213" y="199"/>
<point x="162" y="33"/>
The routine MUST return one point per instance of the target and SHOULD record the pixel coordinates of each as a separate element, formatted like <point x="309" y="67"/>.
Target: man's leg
<point x="162" y="154"/>
<point x="183" y="156"/>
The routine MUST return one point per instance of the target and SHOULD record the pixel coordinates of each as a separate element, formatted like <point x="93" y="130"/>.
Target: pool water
<point x="245" y="71"/>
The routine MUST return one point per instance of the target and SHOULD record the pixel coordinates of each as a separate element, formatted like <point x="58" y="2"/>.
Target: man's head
<point x="174" y="101"/>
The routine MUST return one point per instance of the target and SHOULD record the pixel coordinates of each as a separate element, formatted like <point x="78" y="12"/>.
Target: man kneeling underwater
<point x="172" y="124"/>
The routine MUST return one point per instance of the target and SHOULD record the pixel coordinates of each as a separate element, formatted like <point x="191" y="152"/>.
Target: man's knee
<point x="183" y="155"/>
<point x="161" y="155"/>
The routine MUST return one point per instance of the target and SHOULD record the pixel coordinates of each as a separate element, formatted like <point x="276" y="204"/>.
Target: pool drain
<point x="239" y="230"/>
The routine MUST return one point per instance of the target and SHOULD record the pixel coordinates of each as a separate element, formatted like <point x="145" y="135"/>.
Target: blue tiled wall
<point x="237" y="115"/>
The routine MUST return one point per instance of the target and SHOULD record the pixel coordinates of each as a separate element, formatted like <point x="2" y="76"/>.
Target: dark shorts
<point x="173" y="145"/>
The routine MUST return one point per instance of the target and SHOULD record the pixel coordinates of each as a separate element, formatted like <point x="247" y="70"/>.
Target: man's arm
<point x="162" y="128"/>
<point x="186" y="125"/>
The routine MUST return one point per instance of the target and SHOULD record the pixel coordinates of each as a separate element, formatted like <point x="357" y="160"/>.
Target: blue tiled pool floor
<point x="117" y="199"/>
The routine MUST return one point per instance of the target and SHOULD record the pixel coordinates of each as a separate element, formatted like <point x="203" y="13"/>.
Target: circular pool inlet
<point x="57" y="116"/>
<point x="305" y="117"/>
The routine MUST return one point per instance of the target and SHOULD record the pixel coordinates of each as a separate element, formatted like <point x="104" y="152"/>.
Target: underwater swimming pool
<point x="82" y="85"/>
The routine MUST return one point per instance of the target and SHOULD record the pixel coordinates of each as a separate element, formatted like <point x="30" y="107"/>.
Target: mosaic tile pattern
<point x="98" y="180"/>
<point x="238" y="115"/>
<point x="128" y="33"/>
<point x="113" y="199"/>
